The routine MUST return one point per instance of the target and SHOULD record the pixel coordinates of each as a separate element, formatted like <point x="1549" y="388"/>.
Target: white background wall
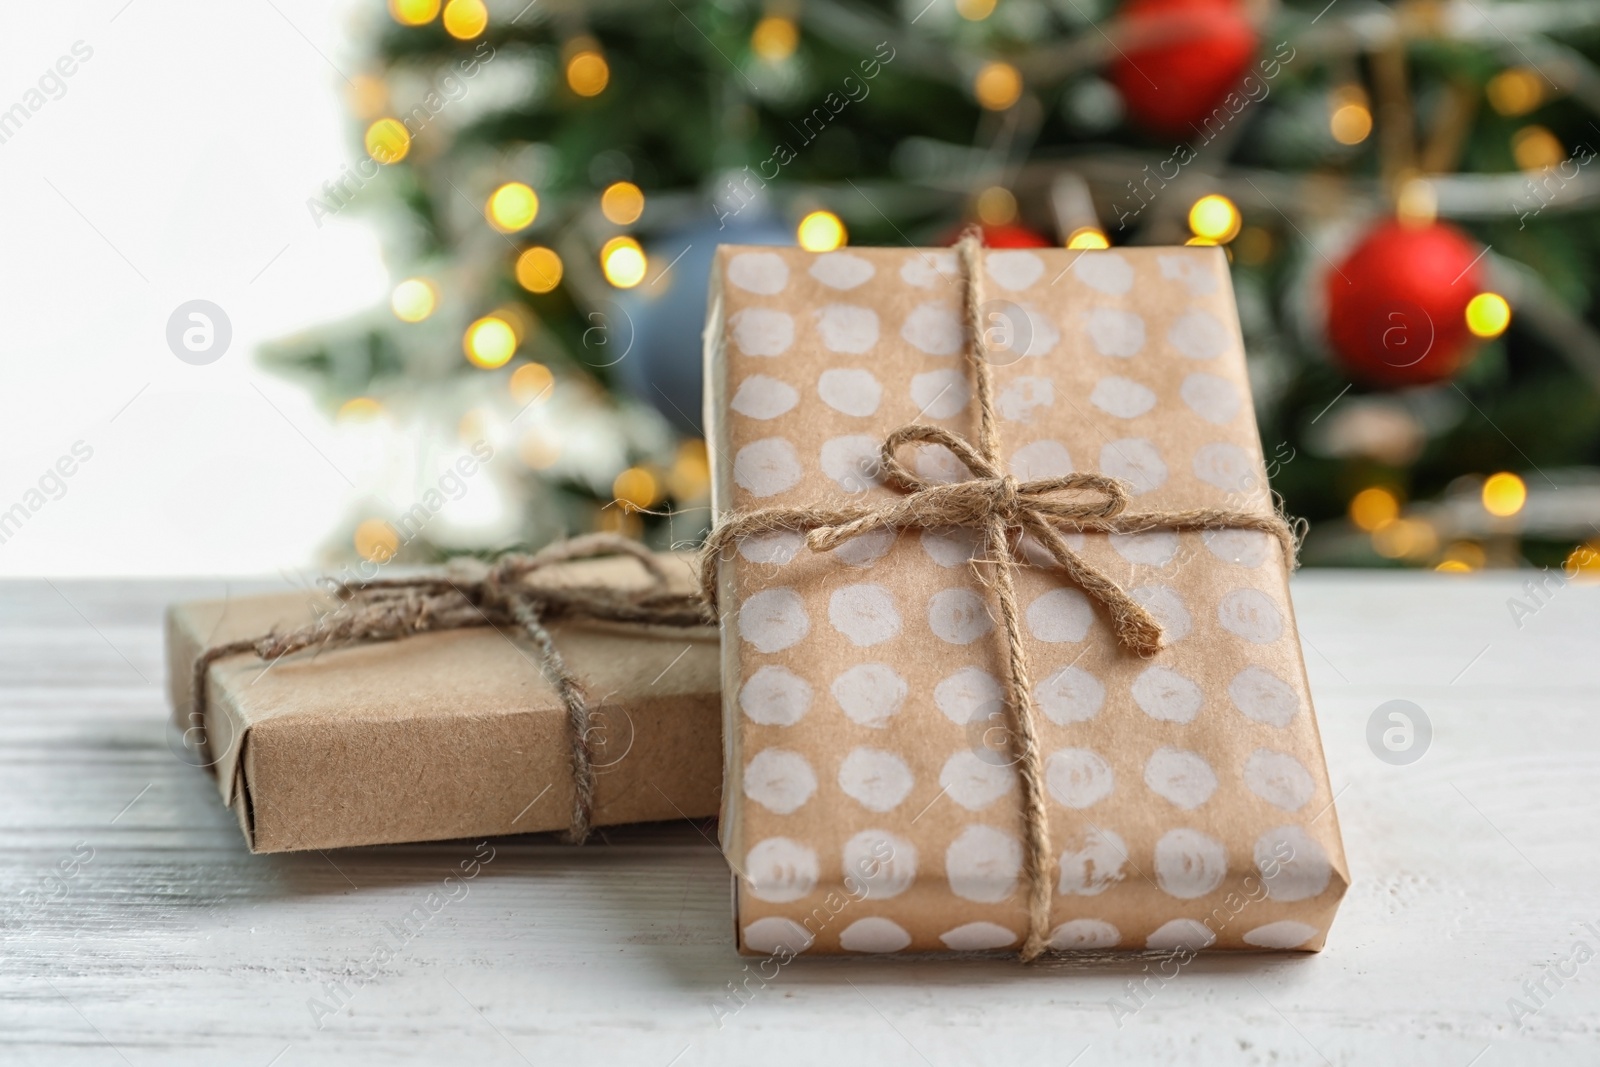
<point x="176" y="165"/>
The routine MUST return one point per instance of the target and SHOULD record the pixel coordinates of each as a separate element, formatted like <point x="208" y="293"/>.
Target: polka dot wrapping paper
<point x="871" y="801"/>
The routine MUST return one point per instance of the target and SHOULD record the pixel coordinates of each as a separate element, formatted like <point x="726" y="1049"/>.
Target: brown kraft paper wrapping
<point x="871" y="804"/>
<point x="451" y="734"/>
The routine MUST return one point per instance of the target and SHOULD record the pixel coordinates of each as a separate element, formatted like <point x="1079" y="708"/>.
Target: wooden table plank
<point x="164" y="942"/>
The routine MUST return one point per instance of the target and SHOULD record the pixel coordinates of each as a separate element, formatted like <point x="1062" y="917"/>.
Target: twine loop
<point x="1019" y="521"/>
<point x="501" y="596"/>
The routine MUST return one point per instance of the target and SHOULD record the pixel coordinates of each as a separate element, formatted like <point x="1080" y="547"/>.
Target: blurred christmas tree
<point x="1394" y="185"/>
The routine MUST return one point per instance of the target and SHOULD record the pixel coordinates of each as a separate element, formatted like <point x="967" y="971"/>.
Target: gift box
<point x="450" y="734"/>
<point x="881" y="792"/>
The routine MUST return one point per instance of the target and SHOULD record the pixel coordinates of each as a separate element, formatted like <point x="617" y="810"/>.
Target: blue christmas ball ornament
<point x="667" y="313"/>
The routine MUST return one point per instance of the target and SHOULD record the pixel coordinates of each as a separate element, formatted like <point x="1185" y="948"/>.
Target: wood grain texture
<point x="135" y="929"/>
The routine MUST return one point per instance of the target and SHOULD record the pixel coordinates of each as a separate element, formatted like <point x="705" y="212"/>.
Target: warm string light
<point x="998" y="85"/>
<point x="821" y="231"/>
<point x="775" y="38"/>
<point x="1534" y="148"/>
<point x="531" y="383"/>
<point x="1504" y="494"/>
<point x="588" y="73"/>
<point x="1350" y="117"/>
<point x="1088" y="237"/>
<point x="387" y="141"/>
<point x="622" y="203"/>
<point x="1488" y="315"/>
<point x="359" y="409"/>
<point x="414" y="299"/>
<point x="975" y="10"/>
<point x="465" y="19"/>
<point x="636" y="488"/>
<point x="376" y="541"/>
<point x="368" y="96"/>
<point x="1515" y="92"/>
<point x="996" y="206"/>
<point x="1215" y="218"/>
<point x="512" y="207"/>
<point x="690" y="476"/>
<point x="1374" y="508"/>
<point x="1583" y="562"/>
<point x="539" y="269"/>
<point x="414" y="12"/>
<point x="489" y="342"/>
<point x="1462" y="557"/>
<point x="623" y="262"/>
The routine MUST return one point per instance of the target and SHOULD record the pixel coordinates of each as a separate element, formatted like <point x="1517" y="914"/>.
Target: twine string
<point x="391" y="608"/>
<point x="1003" y="510"/>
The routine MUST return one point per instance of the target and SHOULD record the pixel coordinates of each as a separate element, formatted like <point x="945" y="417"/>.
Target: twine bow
<point x="1004" y="509"/>
<point x="390" y="608"/>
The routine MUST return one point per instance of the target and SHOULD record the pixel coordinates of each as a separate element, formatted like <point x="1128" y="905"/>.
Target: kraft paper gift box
<point x="871" y="802"/>
<point x="448" y="734"/>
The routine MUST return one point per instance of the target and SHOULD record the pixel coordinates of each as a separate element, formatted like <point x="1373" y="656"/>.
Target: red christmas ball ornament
<point x="1182" y="59"/>
<point x="1397" y="305"/>
<point x="1008" y="235"/>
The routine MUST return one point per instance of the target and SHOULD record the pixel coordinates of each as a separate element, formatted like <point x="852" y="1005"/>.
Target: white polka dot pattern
<point x="873" y="750"/>
<point x="878" y="780"/>
<point x="849" y="391"/>
<point x="1119" y="334"/>
<point x="781" y="869"/>
<point x="978" y="937"/>
<point x="982" y="864"/>
<point x="779" y="780"/>
<point x="874" y="934"/>
<point x="870" y="694"/>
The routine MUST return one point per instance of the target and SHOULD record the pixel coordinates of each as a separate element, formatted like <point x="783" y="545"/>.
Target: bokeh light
<point x="376" y="540"/>
<point x="690" y="476"/>
<point x="512" y="207"/>
<point x="588" y="73"/>
<point x="489" y="343"/>
<point x="1504" y="494"/>
<point x="539" y="269"/>
<point x="1535" y="148"/>
<point x="531" y="382"/>
<point x="623" y="262"/>
<point x="1516" y="91"/>
<point x="1374" y="508"/>
<point x="367" y="95"/>
<point x="820" y="231"/>
<point x="775" y="38"/>
<point x="414" y="12"/>
<point x="975" y="10"/>
<point x="387" y="141"/>
<point x="359" y="409"/>
<point x="1488" y="315"/>
<point x="996" y="206"/>
<point x="414" y="299"/>
<point x="636" y="488"/>
<point x="1088" y="237"/>
<point x="465" y="19"/>
<point x="1350" y="123"/>
<point x="1583" y="562"/>
<point x="622" y="203"/>
<point x="1405" y="539"/>
<point x="998" y="85"/>
<point x="1216" y="218"/>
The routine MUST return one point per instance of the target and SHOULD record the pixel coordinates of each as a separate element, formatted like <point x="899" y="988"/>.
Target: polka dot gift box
<point x="926" y="754"/>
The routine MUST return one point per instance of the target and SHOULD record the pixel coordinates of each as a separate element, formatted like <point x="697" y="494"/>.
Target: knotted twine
<point x="391" y="608"/>
<point x="1004" y="509"/>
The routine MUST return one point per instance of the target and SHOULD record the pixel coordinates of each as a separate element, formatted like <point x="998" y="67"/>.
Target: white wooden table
<point x="134" y="927"/>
